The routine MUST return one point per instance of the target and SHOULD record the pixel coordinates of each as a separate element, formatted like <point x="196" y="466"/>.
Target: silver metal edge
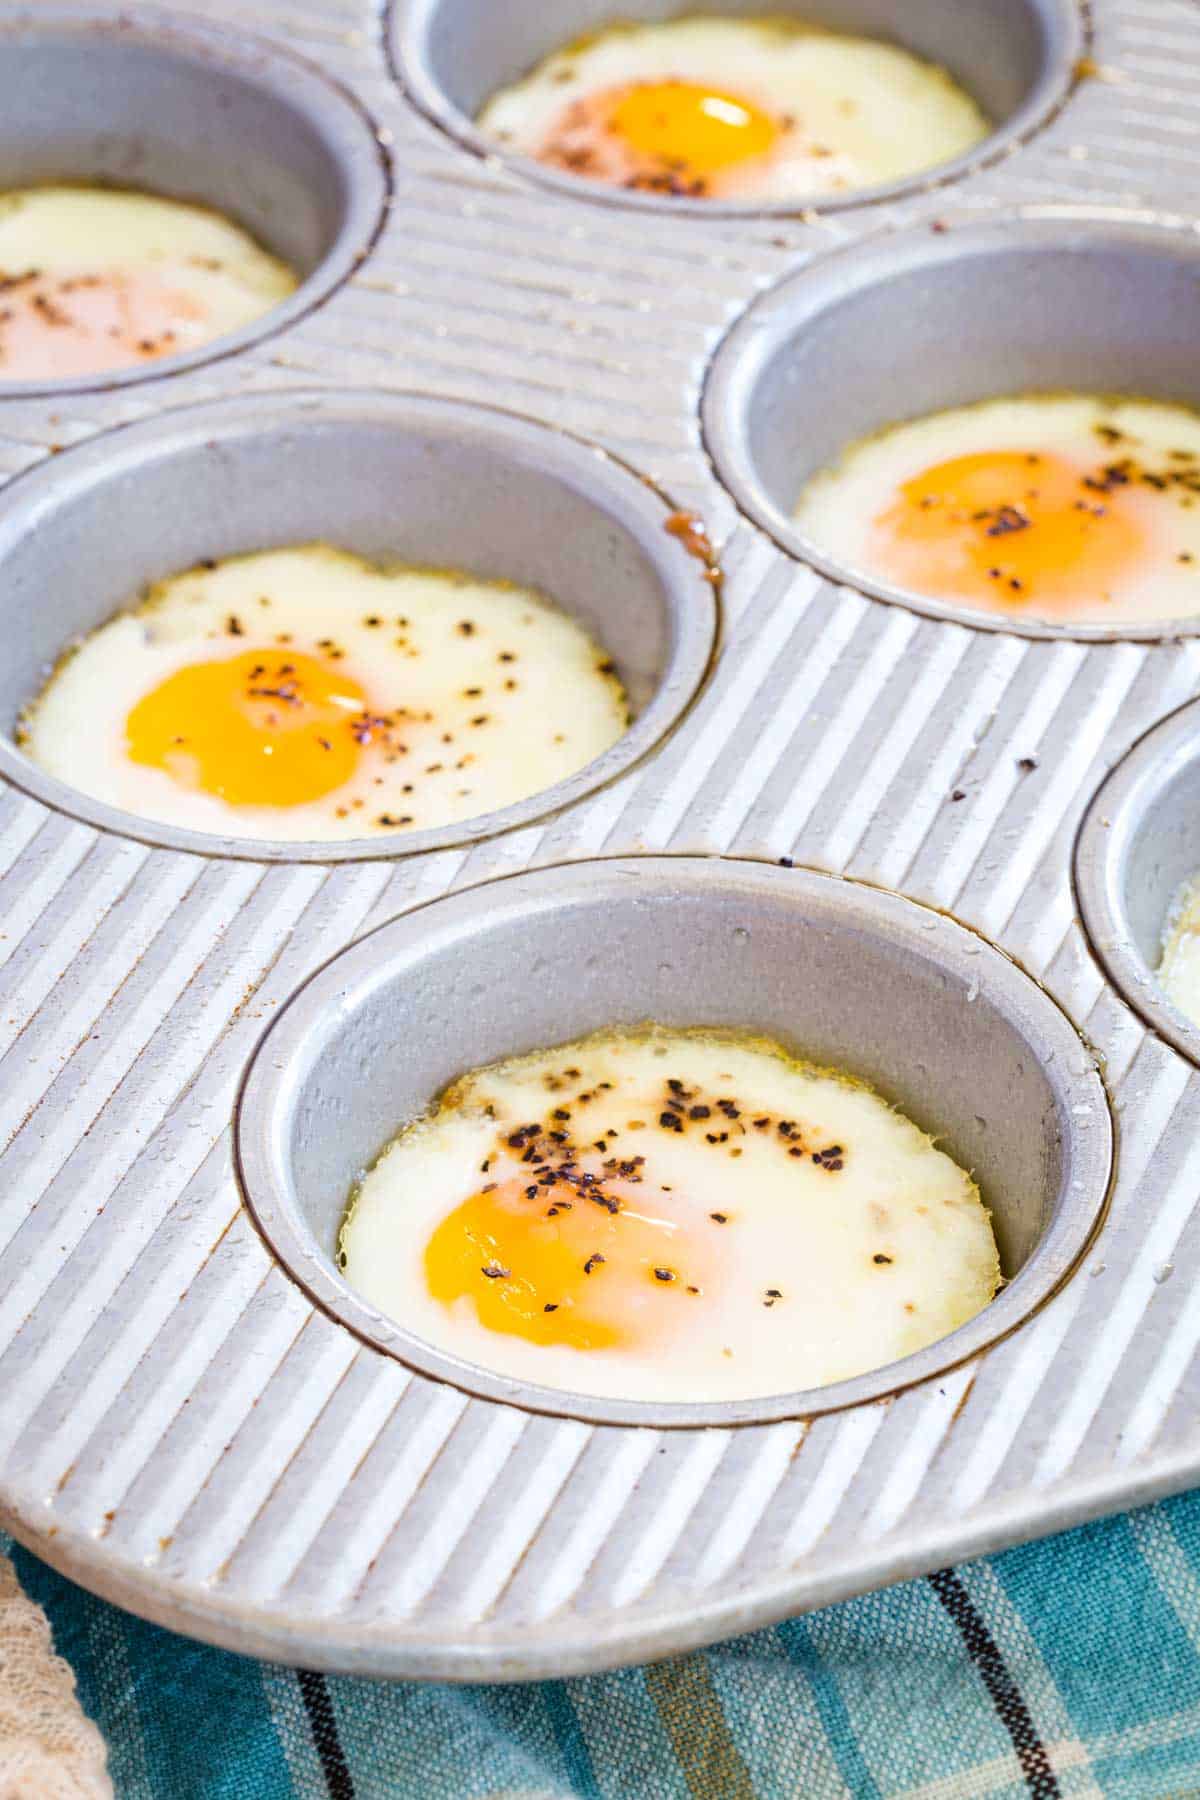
<point x="588" y="1646"/>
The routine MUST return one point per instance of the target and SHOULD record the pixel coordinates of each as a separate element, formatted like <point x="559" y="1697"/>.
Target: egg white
<point x="871" y="111"/>
<point x="792" y="1226"/>
<point x="70" y="231"/>
<point x="562" y="711"/>
<point x="838" y="505"/>
<point x="1179" y="969"/>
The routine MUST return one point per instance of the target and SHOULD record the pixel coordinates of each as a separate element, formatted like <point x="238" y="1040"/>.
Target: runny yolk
<point x="262" y="728"/>
<point x="1009" y="528"/>
<point x="694" y="126"/>
<point x="584" y="1277"/>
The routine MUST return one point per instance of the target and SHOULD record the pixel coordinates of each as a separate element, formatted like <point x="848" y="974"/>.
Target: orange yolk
<point x="691" y="125"/>
<point x="262" y="728"/>
<point x="1008" y="528"/>
<point x="62" y="325"/>
<point x="579" y="1276"/>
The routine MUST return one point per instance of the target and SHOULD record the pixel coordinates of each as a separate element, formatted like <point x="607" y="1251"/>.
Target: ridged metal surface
<point x="179" y="1428"/>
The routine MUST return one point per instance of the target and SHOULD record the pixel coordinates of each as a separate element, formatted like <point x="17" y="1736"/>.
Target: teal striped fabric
<point x="1069" y="1667"/>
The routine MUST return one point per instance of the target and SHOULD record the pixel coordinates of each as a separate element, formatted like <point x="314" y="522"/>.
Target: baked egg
<point x="735" y="109"/>
<point x="98" y="279"/>
<point x="1069" y="508"/>
<point x="1179" y="969"/>
<point x="669" y="1215"/>
<point x="307" y="694"/>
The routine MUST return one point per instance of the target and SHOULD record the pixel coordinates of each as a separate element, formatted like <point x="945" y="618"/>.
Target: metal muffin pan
<point x="182" y="1427"/>
<point x="390" y="476"/>
<point x="1017" y="58"/>
<point x="941" y="1024"/>
<point x="910" y="322"/>
<point x="139" y="98"/>
<point x="1138" y="849"/>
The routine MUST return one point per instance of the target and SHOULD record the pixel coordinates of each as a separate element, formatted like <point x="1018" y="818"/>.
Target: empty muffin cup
<point x="914" y="322"/>
<point x="392" y="478"/>
<point x="141" y="100"/>
<point x="1013" y="57"/>
<point x="1137" y="853"/>
<point x="938" y="1022"/>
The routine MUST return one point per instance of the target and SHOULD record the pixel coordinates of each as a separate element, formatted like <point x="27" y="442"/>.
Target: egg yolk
<point x="556" y="1268"/>
<point x="694" y="126"/>
<point x="1009" y="528"/>
<point x="257" y="729"/>
<point x="53" y="326"/>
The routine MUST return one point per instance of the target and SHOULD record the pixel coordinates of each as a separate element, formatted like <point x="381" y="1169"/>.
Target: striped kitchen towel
<point x="1069" y="1667"/>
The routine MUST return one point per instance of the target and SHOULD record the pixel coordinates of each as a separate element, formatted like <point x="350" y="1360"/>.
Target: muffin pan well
<point x="1017" y="58"/>
<point x="142" y="98"/>
<point x="904" y="324"/>
<point x="192" y="1422"/>
<point x="392" y="478"/>
<point x="1139" y="848"/>
<point x="847" y="976"/>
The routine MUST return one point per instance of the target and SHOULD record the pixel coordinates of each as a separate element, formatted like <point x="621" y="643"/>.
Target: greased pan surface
<point x="183" y="1426"/>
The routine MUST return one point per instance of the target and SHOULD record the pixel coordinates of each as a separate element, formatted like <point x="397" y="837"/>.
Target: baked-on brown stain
<point x="689" y="528"/>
